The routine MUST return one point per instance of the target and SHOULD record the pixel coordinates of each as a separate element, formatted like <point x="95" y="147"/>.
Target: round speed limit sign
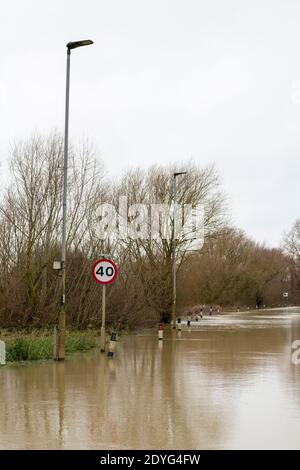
<point x="104" y="271"/>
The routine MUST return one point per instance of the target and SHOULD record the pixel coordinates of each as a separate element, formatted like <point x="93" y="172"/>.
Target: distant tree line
<point x="233" y="270"/>
<point x="229" y="270"/>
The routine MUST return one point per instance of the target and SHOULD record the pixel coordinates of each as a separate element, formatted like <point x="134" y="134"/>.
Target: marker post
<point x="2" y="353"/>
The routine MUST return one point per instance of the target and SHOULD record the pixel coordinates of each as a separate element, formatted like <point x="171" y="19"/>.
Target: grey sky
<point x="167" y="80"/>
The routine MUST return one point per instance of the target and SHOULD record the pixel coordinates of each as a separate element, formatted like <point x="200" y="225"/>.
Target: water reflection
<point x="227" y="383"/>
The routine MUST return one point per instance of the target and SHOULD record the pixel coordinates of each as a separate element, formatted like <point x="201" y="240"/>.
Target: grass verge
<point x="39" y="345"/>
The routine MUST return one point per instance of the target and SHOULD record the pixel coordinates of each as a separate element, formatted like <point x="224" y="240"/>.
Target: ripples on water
<point x="228" y="382"/>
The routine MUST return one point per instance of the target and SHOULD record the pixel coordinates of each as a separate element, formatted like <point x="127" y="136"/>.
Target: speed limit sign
<point x="104" y="271"/>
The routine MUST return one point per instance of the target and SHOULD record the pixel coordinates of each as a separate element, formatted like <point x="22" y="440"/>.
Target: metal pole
<point x="102" y="336"/>
<point x="55" y="342"/>
<point x="60" y="355"/>
<point x="174" y="253"/>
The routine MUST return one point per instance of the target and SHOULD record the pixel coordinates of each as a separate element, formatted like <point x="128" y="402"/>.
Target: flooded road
<point x="228" y="382"/>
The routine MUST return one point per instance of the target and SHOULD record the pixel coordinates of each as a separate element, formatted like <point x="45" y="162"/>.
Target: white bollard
<point x="179" y="324"/>
<point x="161" y="331"/>
<point x="2" y="353"/>
<point x="112" y="344"/>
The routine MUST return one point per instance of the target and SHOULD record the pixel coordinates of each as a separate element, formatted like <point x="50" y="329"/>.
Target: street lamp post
<point x="60" y="349"/>
<point x="174" y="246"/>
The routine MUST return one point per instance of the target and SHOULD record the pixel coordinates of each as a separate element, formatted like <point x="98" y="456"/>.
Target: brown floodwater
<point x="227" y="382"/>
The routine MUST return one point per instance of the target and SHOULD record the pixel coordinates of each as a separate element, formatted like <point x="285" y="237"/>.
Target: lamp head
<point x="177" y="173"/>
<point x="75" y="44"/>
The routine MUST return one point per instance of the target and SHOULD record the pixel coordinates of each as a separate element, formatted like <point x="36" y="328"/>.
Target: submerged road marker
<point x="112" y="344"/>
<point x="161" y="331"/>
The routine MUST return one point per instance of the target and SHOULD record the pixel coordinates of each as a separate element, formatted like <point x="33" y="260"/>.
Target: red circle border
<point x="114" y="276"/>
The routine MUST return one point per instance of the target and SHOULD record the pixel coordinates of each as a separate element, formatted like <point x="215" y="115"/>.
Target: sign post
<point x="104" y="272"/>
<point x="102" y="334"/>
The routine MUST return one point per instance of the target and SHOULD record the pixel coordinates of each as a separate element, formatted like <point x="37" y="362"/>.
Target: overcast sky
<point x="218" y="81"/>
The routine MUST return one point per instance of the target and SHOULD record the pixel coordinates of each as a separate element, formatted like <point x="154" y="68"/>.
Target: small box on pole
<point x="56" y="265"/>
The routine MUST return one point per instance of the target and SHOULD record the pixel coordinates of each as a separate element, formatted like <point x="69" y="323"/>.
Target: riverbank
<point x="38" y="344"/>
<point x="24" y="345"/>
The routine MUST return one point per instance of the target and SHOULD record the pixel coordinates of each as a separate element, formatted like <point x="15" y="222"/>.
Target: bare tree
<point x="31" y="214"/>
<point x="151" y="257"/>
